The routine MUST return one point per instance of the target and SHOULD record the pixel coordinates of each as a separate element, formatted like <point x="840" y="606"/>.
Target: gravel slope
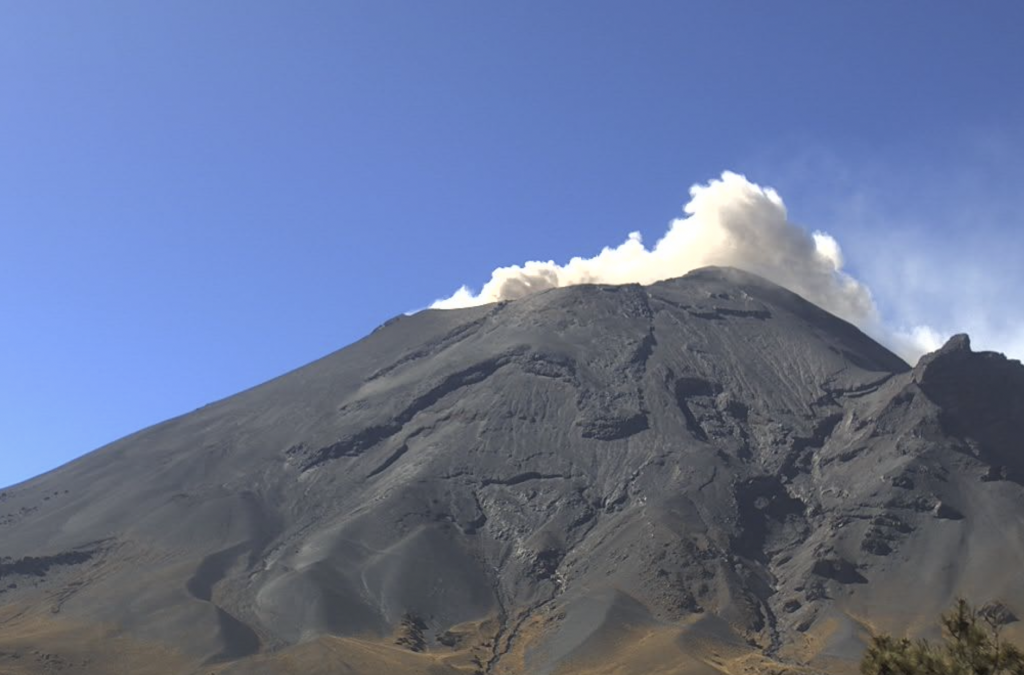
<point x="706" y="474"/>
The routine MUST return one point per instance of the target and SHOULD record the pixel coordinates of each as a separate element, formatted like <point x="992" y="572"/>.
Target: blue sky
<point x="197" y="196"/>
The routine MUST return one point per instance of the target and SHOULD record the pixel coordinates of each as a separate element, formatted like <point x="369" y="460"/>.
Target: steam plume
<point x="730" y="221"/>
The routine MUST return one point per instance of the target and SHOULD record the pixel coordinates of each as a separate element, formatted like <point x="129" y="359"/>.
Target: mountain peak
<point x="521" y="487"/>
<point x="961" y="342"/>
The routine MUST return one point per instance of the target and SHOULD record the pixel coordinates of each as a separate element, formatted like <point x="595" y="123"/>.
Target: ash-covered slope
<point x="704" y="474"/>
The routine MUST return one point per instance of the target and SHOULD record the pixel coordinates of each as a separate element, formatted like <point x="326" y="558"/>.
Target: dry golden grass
<point x="329" y="655"/>
<point x="36" y="643"/>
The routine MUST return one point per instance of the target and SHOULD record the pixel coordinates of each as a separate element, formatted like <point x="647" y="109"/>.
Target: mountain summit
<point x="708" y="474"/>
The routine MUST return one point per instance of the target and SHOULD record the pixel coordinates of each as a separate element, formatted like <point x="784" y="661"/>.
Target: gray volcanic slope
<point x="707" y="474"/>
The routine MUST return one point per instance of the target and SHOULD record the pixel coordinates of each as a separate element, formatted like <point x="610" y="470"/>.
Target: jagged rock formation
<point x="706" y="474"/>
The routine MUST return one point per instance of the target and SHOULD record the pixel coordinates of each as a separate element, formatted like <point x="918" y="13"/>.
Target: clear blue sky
<point x="197" y="196"/>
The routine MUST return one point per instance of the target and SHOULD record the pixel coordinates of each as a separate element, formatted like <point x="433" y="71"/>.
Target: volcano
<point x="704" y="475"/>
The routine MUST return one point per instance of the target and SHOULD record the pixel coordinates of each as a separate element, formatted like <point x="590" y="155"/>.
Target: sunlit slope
<point x="706" y="474"/>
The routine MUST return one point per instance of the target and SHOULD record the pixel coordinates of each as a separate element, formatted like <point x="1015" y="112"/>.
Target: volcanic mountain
<point x="708" y="474"/>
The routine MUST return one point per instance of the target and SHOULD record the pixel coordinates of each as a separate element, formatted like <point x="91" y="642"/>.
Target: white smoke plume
<point x="730" y="221"/>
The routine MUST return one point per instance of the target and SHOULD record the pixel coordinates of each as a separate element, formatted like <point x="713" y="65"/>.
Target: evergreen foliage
<point x="971" y="645"/>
